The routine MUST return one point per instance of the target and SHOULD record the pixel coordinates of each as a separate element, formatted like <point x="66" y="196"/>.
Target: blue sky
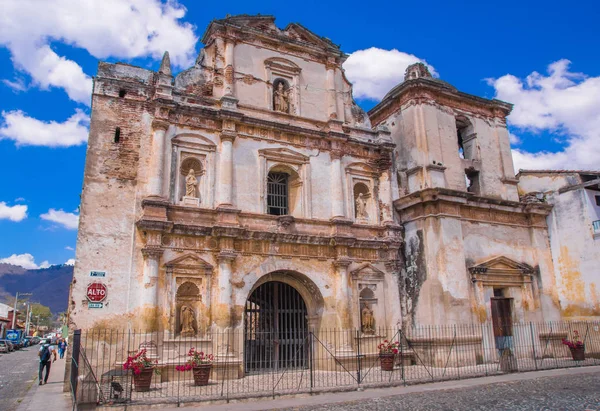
<point x="541" y="55"/>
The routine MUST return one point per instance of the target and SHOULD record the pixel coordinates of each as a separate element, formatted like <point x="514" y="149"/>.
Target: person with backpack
<point x="45" y="354"/>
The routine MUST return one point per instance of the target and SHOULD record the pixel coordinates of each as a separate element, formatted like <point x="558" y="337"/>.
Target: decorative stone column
<point x="226" y="343"/>
<point x="223" y="316"/>
<point x="331" y="94"/>
<point x="229" y="71"/>
<point x="149" y="288"/>
<point x="157" y="161"/>
<point x="337" y="186"/>
<point x="344" y="293"/>
<point x="225" y="183"/>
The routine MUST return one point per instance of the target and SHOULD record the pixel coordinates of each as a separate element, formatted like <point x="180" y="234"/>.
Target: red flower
<point x="395" y="351"/>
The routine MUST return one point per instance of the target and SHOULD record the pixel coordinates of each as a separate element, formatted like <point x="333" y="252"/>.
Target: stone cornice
<point x="439" y="202"/>
<point x="425" y="90"/>
<point x="305" y="231"/>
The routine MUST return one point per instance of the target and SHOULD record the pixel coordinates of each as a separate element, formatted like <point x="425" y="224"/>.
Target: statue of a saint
<point x="367" y="320"/>
<point x="361" y="206"/>
<point x="281" y="99"/>
<point x="187" y="321"/>
<point x="190" y="184"/>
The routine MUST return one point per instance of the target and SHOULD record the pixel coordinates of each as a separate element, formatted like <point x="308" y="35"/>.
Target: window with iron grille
<point x="277" y="194"/>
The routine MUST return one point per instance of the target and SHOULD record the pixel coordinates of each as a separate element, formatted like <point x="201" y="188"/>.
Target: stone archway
<point x="276" y="321"/>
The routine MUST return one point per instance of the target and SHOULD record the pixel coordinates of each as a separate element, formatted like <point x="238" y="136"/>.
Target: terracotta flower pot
<point x="578" y="353"/>
<point x="143" y="380"/>
<point x="201" y="374"/>
<point x="387" y="361"/>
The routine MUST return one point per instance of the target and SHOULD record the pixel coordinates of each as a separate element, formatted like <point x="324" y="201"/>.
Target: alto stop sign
<point x="96" y="292"/>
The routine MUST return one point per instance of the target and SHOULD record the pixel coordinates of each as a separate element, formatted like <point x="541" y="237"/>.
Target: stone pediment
<point x="501" y="271"/>
<point x="193" y="140"/>
<point x="367" y="271"/>
<point x="265" y="26"/>
<point x="298" y="32"/>
<point x="361" y="169"/>
<point x="189" y="264"/>
<point x="284" y="155"/>
<point x="283" y="64"/>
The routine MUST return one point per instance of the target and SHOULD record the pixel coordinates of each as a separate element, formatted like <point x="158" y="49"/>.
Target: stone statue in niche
<point x="361" y="207"/>
<point x="190" y="184"/>
<point x="281" y="98"/>
<point x="367" y="320"/>
<point x="186" y="319"/>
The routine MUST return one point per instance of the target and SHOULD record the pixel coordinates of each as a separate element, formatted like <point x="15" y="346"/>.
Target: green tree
<point x="44" y="313"/>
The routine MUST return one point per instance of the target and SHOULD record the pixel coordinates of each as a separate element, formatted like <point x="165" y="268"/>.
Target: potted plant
<point x="142" y="368"/>
<point x="576" y="346"/>
<point x="200" y="364"/>
<point x="387" y="353"/>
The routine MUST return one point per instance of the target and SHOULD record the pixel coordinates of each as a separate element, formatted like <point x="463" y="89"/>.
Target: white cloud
<point x="373" y="72"/>
<point x="25" y="130"/>
<point x="70" y="261"/>
<point x="69" y="248"/>
<point x="24" y="260"/>
<point x="562" y="102"/>
<point x="67" y="220"/>
<point x="17" y="85"/>
<point x="514" y="139"/>
<point x="13" y="213"/>
<point x="122" y="29"/>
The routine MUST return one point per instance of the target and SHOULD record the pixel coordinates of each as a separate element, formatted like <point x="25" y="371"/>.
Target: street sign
<point x="96" y="292"/>
<point x="97" y="273"/>
<point x="95" y="305"/>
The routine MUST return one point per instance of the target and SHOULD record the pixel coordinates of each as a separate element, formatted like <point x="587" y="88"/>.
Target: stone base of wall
<point x="551" y="345"/>
<point x="456" y="351"/>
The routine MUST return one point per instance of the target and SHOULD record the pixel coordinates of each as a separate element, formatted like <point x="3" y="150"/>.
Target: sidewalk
<point x="370" y="394"/>
<point x="50" y="396"/>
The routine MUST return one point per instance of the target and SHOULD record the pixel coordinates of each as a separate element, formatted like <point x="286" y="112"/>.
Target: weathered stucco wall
<point x="575" y="249"/>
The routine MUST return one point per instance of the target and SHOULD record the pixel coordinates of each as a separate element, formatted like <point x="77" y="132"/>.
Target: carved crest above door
<point x="189" y="265"/>
<point x="501" y="271"/>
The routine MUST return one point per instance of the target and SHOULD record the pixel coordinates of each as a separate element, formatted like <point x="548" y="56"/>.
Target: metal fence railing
<point x="257" y="363"/>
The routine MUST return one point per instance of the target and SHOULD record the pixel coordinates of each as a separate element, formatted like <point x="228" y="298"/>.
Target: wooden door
<point x="502" y="316"/>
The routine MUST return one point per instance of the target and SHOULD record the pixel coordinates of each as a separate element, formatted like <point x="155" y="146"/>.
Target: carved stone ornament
<point x="367" y="320"/>
<point x="361" y="207"/>
<point x="190" y="184"/>
<point x="187" y="321"/>
<point x="281" y="96"/>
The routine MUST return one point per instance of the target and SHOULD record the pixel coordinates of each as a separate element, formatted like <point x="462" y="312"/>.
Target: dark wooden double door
<point x="275" y="328"/>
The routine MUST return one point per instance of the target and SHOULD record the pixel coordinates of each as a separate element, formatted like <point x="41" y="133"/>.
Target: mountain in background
<point x="49" y="286"/>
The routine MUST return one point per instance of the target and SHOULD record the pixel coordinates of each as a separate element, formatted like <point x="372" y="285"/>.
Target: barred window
<point x="277" y="193"/>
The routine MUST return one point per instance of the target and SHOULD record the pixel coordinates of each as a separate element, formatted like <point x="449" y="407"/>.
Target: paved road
<point x="568" y="392"/>
<point x="18" y="370"/>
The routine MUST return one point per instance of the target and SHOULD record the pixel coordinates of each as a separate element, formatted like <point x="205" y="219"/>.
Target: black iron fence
<point x="323" y="360"/>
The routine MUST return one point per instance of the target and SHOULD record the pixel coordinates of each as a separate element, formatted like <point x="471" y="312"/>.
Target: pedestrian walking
<point x="62" y="347"/>
<point x="45" y="353"/>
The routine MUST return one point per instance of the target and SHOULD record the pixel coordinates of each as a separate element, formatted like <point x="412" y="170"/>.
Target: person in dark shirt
<point x="45" y="354"/>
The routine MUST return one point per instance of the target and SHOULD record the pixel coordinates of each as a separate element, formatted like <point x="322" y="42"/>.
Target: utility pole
<point x="14" y="319"/>
<point x="28" y="319"/>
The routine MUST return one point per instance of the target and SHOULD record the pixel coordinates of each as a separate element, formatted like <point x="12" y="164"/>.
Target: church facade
<point x="252" y="186"/>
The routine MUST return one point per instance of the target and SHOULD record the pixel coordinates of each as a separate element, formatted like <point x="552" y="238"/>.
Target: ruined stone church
<point x="252" y="186"/>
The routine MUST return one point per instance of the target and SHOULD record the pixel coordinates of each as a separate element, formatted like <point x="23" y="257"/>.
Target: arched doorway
<point x="275" y="328"/>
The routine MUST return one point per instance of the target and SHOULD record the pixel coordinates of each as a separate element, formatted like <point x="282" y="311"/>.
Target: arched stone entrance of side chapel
<point x="280" y="310"/>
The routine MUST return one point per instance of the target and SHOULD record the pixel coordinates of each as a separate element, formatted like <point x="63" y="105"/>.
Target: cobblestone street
<point x="566" y="392"/>
<point x="18" y="370"/>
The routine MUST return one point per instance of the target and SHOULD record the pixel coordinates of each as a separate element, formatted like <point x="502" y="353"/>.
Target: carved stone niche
<point x="369" y="285"/>
<point x="189" y="289"/>
<point x="287" y="73"/>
